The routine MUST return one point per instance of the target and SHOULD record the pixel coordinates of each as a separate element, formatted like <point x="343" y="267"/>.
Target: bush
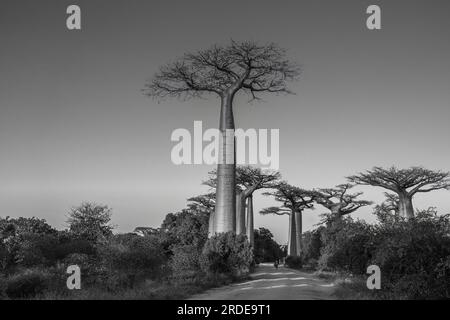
<point x="348" y="246"/>
<point x="28" y="283"/>
<point x="312" y="244"/>
<point x="133" y="256"/>
<point x="414" y="257"/>
<point x="186" y="262"/>
<point x="227" y="253"/>
<point x="294" y="262"/>
<point x="265" y="248"/>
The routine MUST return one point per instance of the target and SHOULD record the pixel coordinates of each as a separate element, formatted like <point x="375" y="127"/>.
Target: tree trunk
<point x="250" y="224"/>
<point x="211" y="225"/>
<point x="406" y="209"/>
<point x="240" y="213"/>
<point x="292" y="243"/>
<point x="225" y="211"/>
<point x="298" y="231"/>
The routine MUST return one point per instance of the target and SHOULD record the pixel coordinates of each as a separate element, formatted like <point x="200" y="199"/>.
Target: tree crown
<point x="409" y="181"/>
<point x="339" y="201"/>
<point x="223" y="70"/>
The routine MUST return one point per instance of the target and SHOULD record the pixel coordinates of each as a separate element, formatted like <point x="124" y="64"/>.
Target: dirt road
<point x="268" y="283"/>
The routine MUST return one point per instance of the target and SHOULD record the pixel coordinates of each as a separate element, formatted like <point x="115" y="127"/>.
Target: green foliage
<point x="348" y="246"/>
<point x="266" y="249"/>
<point x="25" y="242"/>
<point x="311" y="244"/>
<point x="187" y="227"/>
<point x="414" y="257"/>
<point x="133" y="256"/>
<point x="91" y="222"/>
<point x="227" y="253"/>
<point x="186" y="262"/>
<point x="28" y="283"/>
<point x="294" y="262"/>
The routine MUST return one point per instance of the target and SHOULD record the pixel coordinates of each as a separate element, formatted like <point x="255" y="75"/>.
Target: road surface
<point x="268" y="283"/>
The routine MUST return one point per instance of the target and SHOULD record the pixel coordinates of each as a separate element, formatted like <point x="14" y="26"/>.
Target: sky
<point x="75" y="126"/>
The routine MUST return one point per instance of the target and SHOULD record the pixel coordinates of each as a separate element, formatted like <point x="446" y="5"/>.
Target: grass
<point x="174" y="289"/>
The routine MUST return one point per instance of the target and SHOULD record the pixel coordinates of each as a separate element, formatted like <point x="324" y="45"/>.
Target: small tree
<point x="405" y="183"/>
<point x="90" y="221"/>
<point x="204" y="203"/>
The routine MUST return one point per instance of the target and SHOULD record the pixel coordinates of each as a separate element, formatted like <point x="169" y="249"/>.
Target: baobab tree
<point x="294" y="201"/>
<point x="248" y="180"/>
<point x="339" y="201"/>
<point x="224" y="71"/>
<point x="405" y="183"/>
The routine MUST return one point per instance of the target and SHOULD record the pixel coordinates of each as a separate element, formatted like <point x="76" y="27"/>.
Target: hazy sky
<point x="75" y="127"/>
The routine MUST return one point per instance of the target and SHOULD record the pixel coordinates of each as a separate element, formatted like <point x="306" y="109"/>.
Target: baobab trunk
<point x="406" y="208"/>
<point x="298" y="231"/>
<point x="240" y="213"/>
<point x="292" y="243"/>
<point x="211" y="225"/>
<point x="225" y="211"/>
<point x="250" y="224"/>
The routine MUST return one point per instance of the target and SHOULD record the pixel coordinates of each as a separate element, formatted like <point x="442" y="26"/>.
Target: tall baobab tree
<point x="295" y="200"/>
<point x="248" y="180"/>
<point x="224" y="71"/>
<point x="405" y="183"/>
<point x="339" y="201"/>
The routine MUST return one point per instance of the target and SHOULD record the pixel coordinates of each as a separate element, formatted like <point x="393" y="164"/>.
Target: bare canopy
<point x="294" y="201"/>
<point x="404" y="182"/>
<point x="339" y="201"/>
<point x="223" y="70"/>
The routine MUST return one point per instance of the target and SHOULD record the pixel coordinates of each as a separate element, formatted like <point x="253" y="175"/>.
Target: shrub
<point x="414" y="257"/>
<point x="227" y="253"/>
<point x="265" y="248"/>
<point x="133" y="255"/>
<point x="294" y="262"/>
<point x="185" y="262"/>
<point x="312" y="244"/>
<point x="28" y="283"/>
<point x="348" y="246"/>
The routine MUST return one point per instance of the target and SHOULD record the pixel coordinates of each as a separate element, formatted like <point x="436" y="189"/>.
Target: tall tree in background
<point x="91" y="222"/>
<point x="295" y="200"/>
<point x="224" y="71"/>
<point x="204" y="203"/>
<point x="339" y="201"/>
<point x="405" y="183"/>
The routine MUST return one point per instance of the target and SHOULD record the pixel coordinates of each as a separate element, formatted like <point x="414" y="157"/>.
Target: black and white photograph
<point x="203" y="151"/>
